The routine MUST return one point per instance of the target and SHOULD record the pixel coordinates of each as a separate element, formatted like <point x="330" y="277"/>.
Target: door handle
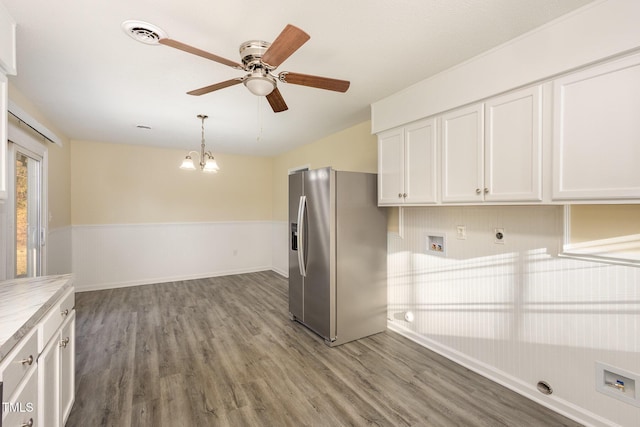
<point x="301" y="226"/>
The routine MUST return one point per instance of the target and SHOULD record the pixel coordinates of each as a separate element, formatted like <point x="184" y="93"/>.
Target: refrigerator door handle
<point x="301" y="226"/>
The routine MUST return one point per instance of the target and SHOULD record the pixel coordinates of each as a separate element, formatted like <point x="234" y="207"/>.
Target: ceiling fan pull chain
<point x="259" y="137"/>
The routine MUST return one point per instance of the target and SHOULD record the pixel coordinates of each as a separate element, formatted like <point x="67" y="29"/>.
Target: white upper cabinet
<point x="407" y="165"/>
<point x="7" y="42"/>
<point x="462" y="155"/>
<point x="492" y="152"/>
<point x="513" y="147"/>
<point x="596" y="132"/>
<point x="7" y="66"/>
<point x="391" y="167"/>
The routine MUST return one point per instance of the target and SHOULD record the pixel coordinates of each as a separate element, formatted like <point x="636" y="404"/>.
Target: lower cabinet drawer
<point x="21" y="409"/>
<point x="54" y="318"/>
<point x="20" y="361"/>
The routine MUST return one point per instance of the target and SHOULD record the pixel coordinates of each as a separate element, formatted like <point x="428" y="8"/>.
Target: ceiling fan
<point x="259" y="60"/>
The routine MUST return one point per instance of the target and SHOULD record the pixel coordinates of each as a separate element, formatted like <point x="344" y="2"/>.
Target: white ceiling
<point x="95" y="83"/>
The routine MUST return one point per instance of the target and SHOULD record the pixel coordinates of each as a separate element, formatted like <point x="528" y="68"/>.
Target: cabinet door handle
<point x="27" y="361"/>
<point x="65" y="312"/>
<point x="64" y="342"/>
<point x="28" y="423"/>
<point x="486" y="191"/>
<point x="400" y="195"/>
<point x="404" y="195"/>
<point x="478" y="191"/>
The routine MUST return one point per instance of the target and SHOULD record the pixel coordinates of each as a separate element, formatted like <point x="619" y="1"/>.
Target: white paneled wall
<point x="516" y="312"/>
<point x="280" y="251"/>
<point x="58" y="246"/>
<point x="106" y="256"/>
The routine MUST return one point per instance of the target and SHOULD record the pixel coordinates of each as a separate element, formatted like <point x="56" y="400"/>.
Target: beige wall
<point x="59" y="177"/>
<point x="595" y="222"/>
<point x="127" y="184"/>
<point x="353" y="149"/>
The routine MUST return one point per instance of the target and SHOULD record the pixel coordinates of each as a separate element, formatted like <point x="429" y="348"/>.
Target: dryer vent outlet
<point x="544" y="387"/>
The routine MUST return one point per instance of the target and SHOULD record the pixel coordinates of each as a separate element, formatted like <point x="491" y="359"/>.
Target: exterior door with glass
<point x="25" y="213"/>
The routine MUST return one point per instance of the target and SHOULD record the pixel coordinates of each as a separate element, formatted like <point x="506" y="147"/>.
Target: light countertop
<point x="23" y="302"/>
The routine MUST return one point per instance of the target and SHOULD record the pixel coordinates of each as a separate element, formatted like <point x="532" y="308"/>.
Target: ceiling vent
<point x="143" y="31"/>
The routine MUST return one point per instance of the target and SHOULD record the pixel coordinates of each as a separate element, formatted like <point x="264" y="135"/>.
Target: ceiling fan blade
<point x="289" y="40"/>
<point x="195" y="51"/>
<point x="314" y="81"/>
<point x="217" y="86"/>
<point x="277" y="101"/>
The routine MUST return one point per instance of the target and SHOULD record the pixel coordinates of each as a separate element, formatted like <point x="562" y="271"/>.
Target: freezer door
<point x="319" y="292"/>
<point x="296" y="281"/>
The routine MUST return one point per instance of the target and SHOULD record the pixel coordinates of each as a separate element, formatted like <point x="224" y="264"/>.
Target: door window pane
<point x="27" y="216"/>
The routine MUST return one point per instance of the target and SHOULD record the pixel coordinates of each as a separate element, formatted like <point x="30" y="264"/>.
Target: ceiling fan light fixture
<point x="259" y="83"/>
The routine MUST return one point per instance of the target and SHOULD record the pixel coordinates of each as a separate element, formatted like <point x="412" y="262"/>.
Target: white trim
<point x="558" y="405"/>
<point x="163" y="224"/>
<point x="26" y="118"/>
<point x="153" y="281"/>
<point x="29" y="145"/>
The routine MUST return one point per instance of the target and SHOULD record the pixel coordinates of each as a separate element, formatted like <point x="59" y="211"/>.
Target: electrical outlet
<point x="461" y="232"/>
<point x="499" y="235"/>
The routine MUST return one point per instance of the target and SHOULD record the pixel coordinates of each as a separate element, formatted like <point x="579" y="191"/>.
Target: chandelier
<point x="207" y="162"/>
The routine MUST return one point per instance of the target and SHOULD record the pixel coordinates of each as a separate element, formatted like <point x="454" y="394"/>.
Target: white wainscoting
<point x="58" y="246"/>
<point x="280" y="250"/>
<point x="119" y="255"/>
<point x="513" y="311"/>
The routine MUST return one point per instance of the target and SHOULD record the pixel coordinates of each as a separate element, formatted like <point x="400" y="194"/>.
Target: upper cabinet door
<point x="513" y="147"/>
<point x="596" y="132"/>
<point x="7" y="42"/>
<point x="462" y="155"/>
<point x="421" y="165"/>
<point x="391" y="167"/>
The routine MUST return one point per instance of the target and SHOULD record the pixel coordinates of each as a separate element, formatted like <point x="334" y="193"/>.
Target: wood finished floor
<point x="223" y="352"/>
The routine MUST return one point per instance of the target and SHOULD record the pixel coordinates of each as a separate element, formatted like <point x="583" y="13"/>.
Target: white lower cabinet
<point x="67" y="366"/>
<point x="25" y="411"/>
<point x="57" y="376"/>
<point x="49" y="380"/>
<point x="19" y="373"/>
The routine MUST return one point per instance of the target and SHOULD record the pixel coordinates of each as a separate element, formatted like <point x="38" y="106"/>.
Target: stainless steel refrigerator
<point x="337" y="254"/>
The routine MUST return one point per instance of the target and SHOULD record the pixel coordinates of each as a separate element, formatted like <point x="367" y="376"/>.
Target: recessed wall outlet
<point x="618" y="383"/>
<point x="499" y="235"/>
<point x="461" y="232"/>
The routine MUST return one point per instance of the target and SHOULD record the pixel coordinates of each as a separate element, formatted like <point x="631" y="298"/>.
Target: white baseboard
<point x="560" y="406"/>
<point x="116" y="285"/>
<point x="284" y="274"/>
